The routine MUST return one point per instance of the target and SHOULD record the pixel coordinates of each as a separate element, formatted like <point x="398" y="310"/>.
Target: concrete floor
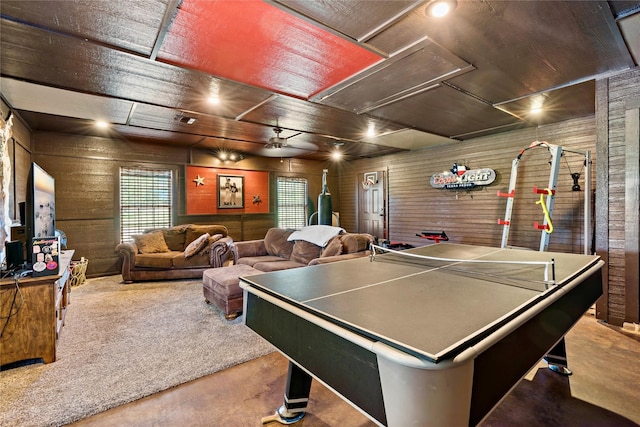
<point x="604" y="390"/>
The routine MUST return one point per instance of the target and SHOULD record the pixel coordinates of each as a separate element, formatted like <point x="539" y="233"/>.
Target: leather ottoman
<point x="221" y="287"/>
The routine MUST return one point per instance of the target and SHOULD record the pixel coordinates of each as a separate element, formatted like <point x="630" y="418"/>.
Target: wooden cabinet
<point x="33" y="311"/>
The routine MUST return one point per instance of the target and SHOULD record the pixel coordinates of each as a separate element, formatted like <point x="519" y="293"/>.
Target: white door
<point x="371" y="204"/>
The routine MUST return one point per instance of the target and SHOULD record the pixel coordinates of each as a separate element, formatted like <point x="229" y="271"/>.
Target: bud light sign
<point x="462" y="178"/>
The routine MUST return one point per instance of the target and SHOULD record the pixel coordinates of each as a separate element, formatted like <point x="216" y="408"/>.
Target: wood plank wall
<point x="472" y="216"/>
<point x="619" y="97"/>
<point x="86" y="170"/>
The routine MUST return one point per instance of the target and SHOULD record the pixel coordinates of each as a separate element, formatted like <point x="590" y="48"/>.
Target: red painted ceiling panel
<point x="258" y="44"/>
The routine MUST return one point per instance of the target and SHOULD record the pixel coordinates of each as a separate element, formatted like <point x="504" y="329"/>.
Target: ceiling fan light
<point x="276" y="142"/>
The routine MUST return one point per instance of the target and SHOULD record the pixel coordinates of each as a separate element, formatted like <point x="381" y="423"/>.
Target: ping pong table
<point x="432" y="336"/>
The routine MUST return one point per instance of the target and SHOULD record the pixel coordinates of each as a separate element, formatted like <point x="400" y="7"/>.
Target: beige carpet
<point x="123" y="342"/>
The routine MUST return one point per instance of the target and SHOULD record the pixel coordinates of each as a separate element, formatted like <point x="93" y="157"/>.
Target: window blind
<point x="145" y="200"/>
<point x="291" y="195"/>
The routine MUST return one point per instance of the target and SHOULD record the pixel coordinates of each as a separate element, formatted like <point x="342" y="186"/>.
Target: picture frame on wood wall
<point x="230" y="191"/>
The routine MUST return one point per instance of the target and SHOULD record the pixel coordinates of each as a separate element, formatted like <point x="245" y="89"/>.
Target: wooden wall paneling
<point x="232" y="222"/>
<point x="110" y="147"/>
<point x="86" y="171"/>
<point x="622" y="90"/>
<point x="21" y="133"/>
<point x="86" y="193"/>
<point x="471" y="216"/>
<point x="21" y="155"/>
<point x="21" y="167"/>
<point x="85" y="188"/>
<point x="93" y="239"/>
<point x="312" y="170"/>
<point x="255" y="226"/>
<point x="632" y="215"/>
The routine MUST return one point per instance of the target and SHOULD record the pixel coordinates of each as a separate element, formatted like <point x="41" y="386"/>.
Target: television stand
<point x="32" y="311"/>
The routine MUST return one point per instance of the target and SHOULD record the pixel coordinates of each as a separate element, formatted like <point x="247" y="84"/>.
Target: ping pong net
<point x="533" y="275"/>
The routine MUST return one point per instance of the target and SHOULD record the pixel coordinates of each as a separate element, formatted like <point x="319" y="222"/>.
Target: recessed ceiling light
<point x="537" y="104"/>
<point x="101" y="124"/>
<point x="336" y="155"/>
<point x="371" y="130"/>
<point x="440" y="8"/>
<point x="214" y="100"/>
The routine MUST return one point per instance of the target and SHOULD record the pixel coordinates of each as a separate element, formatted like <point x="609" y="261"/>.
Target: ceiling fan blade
<point x="287" y="151"/>
<point x="302" y="145"/>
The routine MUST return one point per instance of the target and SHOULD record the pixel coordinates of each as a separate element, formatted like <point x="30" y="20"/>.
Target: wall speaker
<point x="15" y="254"/>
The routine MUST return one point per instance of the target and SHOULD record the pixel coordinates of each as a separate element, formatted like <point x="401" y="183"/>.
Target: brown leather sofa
<point x="180" y="252"/>
<point x="275" y="252"/>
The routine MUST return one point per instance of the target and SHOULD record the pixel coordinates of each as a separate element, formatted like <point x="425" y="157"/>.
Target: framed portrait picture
<point x="230" y="191"/>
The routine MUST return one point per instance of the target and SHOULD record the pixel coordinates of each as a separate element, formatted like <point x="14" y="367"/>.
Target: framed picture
<point x="230" y="191"/>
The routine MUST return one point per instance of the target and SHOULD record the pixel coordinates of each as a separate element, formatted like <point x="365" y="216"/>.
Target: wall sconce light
<point x="439" y="8"/>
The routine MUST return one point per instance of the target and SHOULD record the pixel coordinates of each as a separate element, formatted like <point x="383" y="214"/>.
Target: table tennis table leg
<point x="557" y="359"/>
<point x="296" y="396"/>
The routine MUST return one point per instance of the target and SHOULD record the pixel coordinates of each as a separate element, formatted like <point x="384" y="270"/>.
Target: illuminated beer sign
<point x="462" y="178"/>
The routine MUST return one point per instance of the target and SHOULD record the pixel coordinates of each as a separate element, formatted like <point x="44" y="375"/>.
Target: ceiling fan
<point x="279" y="146"/>
<point x="276" y="141"/>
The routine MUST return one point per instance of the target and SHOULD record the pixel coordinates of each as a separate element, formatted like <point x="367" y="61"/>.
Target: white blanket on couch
<point x="316" y="234"/>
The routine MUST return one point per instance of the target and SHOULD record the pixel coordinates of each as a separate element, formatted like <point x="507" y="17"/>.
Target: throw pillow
<point x="196" y="246"/>
<point x="303" y="252"/>
<point x="355" y="242"/>
<point x="174" y="236"/>
<point x="194" y="231"/>
<point x="333" y="248"/>
<point x="276" y="243"/>
<point x="151" y="243"/>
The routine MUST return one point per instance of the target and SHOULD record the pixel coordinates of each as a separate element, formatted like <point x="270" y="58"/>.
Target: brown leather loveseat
<point x="180" y="252"/>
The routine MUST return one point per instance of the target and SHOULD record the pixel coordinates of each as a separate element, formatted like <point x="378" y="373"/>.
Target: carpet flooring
<point x="121" y="343"/>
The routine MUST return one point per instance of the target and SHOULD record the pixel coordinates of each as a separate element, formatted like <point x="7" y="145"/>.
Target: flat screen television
<point x="41" y="204"/>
